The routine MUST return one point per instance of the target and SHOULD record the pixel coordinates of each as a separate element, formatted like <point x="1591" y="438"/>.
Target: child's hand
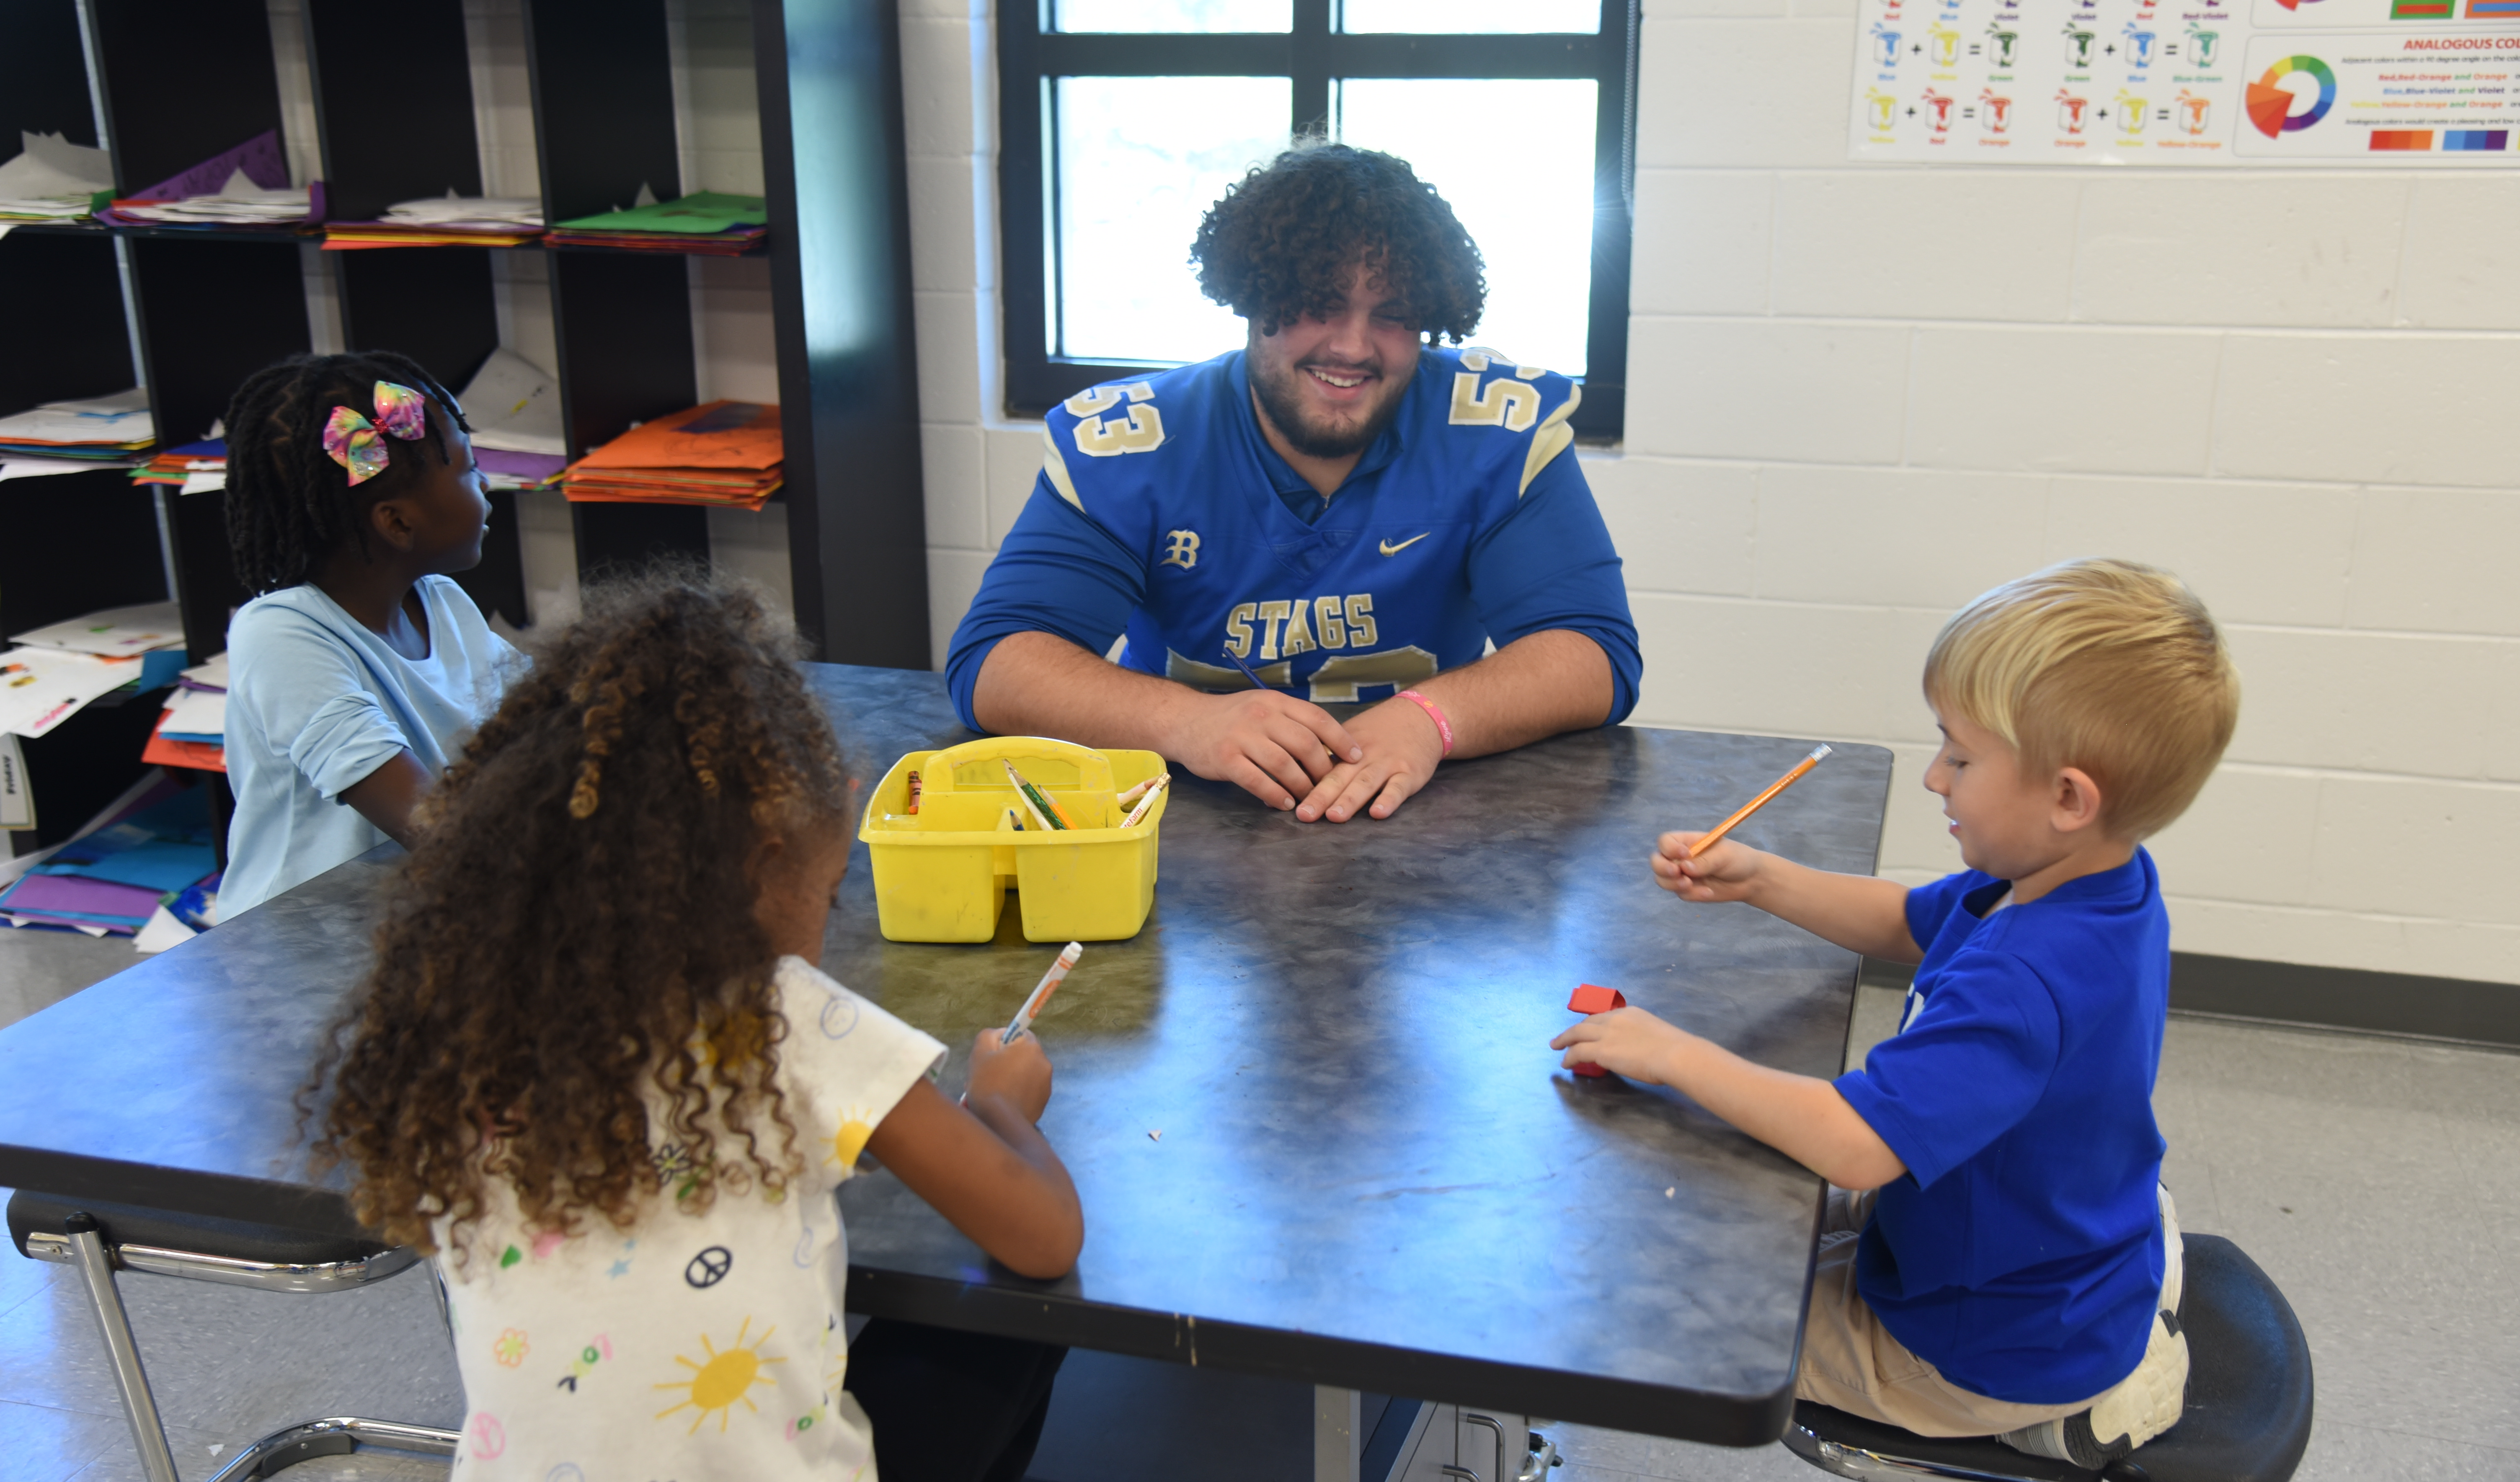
<point x="1017" y="1073"/>
<point x="1628" y="1042"/>
<point x="1723" y="873"/>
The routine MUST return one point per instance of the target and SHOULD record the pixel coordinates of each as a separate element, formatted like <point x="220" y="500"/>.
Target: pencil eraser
<point x="1592" y="998"/>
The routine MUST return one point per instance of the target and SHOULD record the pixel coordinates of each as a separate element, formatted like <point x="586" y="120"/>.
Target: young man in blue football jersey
<point x="1343" y="506"/>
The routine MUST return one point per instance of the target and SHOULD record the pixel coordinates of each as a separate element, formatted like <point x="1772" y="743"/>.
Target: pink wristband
<point x="1443" y="726"/>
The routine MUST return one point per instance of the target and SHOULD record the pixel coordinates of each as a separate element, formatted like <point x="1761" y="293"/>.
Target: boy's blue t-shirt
<point x="2022" y="1254"/>
<point x="316" y="701"/>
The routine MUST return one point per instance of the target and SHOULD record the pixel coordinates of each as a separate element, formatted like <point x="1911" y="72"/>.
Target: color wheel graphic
<point x="2270" y="105"/>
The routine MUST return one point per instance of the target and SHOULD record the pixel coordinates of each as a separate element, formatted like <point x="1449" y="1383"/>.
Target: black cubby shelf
<point x="189" y="314"/>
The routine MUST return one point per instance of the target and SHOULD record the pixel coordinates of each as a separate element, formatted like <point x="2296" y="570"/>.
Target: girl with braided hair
<point x="359" y="665"/>
<point x="597" y="1074"/>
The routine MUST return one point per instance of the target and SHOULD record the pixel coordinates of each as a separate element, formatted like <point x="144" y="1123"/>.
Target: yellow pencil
<point x="1706" y="841"/>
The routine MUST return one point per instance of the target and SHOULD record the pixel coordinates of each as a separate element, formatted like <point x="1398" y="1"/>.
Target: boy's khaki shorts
<point x="1851" y="1363"/>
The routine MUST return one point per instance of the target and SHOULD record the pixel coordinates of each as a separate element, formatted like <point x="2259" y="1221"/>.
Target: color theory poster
<point x="2205" y="82"/>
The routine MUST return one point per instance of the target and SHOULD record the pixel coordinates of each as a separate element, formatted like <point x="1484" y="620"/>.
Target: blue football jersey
<point x="1159" y="514"/>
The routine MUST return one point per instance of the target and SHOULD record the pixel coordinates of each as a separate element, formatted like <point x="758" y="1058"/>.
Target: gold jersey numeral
<point x="1502" y="403"/>
<point x="1335" y="682"/>
<point x="1142" y="430"/>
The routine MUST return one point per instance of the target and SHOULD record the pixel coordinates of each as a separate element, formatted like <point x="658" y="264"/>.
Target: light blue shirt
<point x="316" y="701"/>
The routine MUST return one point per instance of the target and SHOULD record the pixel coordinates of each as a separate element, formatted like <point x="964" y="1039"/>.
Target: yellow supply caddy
<point x="941" y="874"/>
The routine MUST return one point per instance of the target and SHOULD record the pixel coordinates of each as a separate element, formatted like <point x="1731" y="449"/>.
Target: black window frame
<point x="1311" y="54"/>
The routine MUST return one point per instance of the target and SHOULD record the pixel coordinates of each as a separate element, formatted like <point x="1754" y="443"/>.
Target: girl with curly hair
<point x="360" y="664"/>
<point x="597" y="1074"/>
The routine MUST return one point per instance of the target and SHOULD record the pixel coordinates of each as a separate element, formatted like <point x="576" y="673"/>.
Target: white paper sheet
<point x="162" y="931"/>
<point x="121" y="418"/>
<point x="514" y="406"/>
<point x="50" y="176"/>
<point x="213" y="673"/>
<point x="452" y="209"/>
<point x="115" y="632"/>
<point x="19" y="466"/>
<point x="41" y="688"/>
<point x="238" y="202"/>
<point x="195" y="712"/>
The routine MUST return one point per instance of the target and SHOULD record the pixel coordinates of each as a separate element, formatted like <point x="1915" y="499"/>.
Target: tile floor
<point x="2362" y="1172"/>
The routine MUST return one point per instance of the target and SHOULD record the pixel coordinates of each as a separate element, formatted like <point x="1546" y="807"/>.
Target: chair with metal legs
<point x="2247" y="1416"/>
<point x="97" y="1239"/>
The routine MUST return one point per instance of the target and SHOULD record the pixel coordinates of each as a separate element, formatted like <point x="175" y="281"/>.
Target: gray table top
<point x="1369" y="1173"/>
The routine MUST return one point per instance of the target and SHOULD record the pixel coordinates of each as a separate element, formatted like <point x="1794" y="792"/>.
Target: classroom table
<point x="1310" y="1107"/>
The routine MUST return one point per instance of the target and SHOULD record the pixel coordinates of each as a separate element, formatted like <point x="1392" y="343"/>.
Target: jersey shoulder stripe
<point x="1489" y="389"/>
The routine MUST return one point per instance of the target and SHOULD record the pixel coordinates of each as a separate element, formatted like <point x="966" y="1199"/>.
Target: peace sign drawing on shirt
<point x="709" y="1267"/>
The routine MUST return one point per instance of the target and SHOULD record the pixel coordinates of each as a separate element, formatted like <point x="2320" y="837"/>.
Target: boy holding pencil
<point x="1997" y="1257"/>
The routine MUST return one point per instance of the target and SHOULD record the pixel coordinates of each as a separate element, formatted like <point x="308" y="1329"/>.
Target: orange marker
<point x="1706" y="841"/>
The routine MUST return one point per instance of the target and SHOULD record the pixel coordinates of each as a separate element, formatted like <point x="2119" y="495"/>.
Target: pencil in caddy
<point x="941" y="875"/>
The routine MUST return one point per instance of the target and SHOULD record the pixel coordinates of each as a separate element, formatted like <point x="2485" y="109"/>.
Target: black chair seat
<point x="32" y="1213"/>
<point x="2249" y="1394"/>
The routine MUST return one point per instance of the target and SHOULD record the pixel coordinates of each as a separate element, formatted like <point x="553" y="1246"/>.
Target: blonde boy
<point x="1998" y="1258"/>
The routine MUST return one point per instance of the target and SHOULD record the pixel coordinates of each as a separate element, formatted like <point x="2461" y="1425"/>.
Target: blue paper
<point x="160" y="667"/>
<point x="165" y="846"/>
<point x="158" y="864"/>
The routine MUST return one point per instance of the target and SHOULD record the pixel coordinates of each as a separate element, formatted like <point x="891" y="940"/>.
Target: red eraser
<point x="1592" y="998"/>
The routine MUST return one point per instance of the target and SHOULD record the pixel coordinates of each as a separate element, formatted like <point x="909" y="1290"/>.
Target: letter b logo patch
<point x="1184" y="550"/>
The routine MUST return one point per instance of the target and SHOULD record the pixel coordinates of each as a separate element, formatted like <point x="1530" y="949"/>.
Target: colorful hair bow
<point x="354" y="441"/>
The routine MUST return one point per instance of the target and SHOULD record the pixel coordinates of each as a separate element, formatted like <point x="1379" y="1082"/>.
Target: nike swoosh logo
<point x="1388" y="549"/>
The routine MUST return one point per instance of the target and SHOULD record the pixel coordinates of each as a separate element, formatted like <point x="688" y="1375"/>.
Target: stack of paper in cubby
<point x="708" y="222"/>
<point x="191" y="732"/>
<point x="239" y="205"/>
<point x="71" y="437"/>
<point x="189" y="469"/>
<point x="721" y="453"/>
<point x="450" y="220"/>
<point x="52" y="179"/>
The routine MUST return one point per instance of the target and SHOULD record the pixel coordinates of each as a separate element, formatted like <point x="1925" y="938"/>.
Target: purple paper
<point x="38" y="919"/>
<point x="259" y="156"/>
<point x="86" y="897"/>
<point x="521" y="464"/>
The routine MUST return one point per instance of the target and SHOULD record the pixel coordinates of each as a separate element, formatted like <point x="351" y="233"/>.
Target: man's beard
<point x="1280" y="400"/>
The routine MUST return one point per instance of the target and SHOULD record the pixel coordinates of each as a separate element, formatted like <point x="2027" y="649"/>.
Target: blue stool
<point x="2247" y="1418"/>
<point x="100" y="1238"/>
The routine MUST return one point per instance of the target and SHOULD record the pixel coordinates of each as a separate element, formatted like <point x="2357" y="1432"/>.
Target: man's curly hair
<point x="574" y="938"/>
<point x="1283" y="242"/>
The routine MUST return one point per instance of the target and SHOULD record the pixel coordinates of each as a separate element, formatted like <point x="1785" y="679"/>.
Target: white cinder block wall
<point x="1861" y="396"/>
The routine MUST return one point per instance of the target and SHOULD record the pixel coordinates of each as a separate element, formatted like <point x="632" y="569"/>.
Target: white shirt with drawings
<point x="691" y="1347"/>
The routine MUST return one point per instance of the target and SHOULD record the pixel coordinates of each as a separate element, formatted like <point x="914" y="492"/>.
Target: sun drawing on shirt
<point x="856" y="1125"/>
<point x="718" y="1384"/>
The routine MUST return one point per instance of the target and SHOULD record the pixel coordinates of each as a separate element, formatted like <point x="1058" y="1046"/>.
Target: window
<point x="1123" y="121"/>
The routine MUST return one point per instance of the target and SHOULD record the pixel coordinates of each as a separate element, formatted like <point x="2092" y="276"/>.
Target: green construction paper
<point x="701" y="214"/>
